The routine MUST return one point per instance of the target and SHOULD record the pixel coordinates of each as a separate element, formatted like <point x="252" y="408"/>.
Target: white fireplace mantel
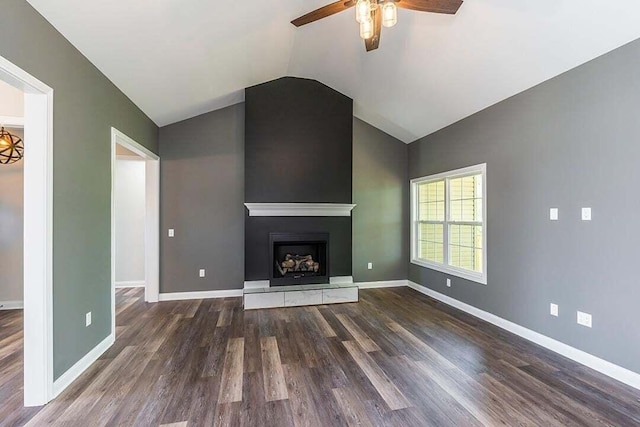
<point x="299" y="209"/>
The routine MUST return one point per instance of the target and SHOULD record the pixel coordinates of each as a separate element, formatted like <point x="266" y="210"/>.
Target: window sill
<point x="453" y="271"/>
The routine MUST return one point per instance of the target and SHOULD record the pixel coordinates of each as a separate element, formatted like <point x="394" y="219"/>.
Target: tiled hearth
<point x="299" y="295"/>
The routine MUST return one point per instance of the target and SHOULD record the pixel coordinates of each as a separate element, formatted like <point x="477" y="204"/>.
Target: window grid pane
<point x="431" y="201"/>
<point x="465" y="199"/>
<point x="431" y="242"/>
<point x="465" y="246"/>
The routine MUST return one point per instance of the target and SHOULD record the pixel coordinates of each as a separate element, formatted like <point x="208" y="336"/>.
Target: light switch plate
<point x="88" y="319"/>
<point x="553" y="214"/>
<point x="172" y="232"/>
<point x="554" y="309"/>
<point x="448" y="283"/>
<point x="202" y="272"/>
<point x="370" y="266"/>
<point x="586" y="214"/>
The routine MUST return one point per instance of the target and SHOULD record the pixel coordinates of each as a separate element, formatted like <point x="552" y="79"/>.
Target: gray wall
<point x="297" y="130"/>
<point x="570" y="142"/>
<point x="86" y="105"/>
<point x="11" y="228"/>
<point x="202" y="198"/>
<point x="380" y="219"/>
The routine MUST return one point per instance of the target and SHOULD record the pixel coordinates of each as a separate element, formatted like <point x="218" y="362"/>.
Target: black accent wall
<point x="298" y="149"/>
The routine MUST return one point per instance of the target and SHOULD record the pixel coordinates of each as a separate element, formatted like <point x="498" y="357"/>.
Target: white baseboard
<point x="382" y="284"/>
<point x="607" y="368"/>
<point x="131" y="284"/>
<point x="179" y="296"/>
<point x="256" y="284"/>
<point x="81" y="365"/>
<point x="11" y="305"/>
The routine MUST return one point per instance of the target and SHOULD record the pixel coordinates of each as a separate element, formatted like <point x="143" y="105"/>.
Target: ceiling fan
<point x="373" y="14"/>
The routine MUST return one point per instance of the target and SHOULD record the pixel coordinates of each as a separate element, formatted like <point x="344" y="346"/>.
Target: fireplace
<point x="298" y="258"/>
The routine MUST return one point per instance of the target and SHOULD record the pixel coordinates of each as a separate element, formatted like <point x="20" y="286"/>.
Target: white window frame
<point x="444" y="267"/>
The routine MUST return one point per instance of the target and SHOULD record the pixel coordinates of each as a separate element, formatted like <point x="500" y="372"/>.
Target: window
<point x="448" y="213"/>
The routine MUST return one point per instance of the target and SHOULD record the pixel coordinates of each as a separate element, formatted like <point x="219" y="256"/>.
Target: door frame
<point x="152" y="219"/>
<point x="38" y="232"/>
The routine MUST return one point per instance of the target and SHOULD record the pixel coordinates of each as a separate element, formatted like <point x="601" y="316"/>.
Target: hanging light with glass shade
<point x="11" y="147"/>
<point x="389" y="13"/>
<point x="363" y="11"/>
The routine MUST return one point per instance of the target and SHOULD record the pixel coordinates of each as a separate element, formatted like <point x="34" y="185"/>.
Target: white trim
<point x="129" y="158"/>
<point x="180" y="296"/>
<point x="445" y="267"/>
<point x="340" y="279"/>
<point x="299" y="209"/>
<point x="11" y="305"/>
<point x="81" y="365"/>
<point x="382" y="284"/>
<point x="256" y="284"/>
<point x="152" y="218"/>
<point x="607" y="368"/>
<point x="38" y="233"/>
<point x="131" y="284"/>
<point x="12" y="122"/>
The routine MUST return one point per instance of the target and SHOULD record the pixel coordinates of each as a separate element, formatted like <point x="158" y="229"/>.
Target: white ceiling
<point x="177" y="59"/>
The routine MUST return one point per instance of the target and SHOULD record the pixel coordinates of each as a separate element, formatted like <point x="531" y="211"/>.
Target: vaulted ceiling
<point x="176" y="59"/>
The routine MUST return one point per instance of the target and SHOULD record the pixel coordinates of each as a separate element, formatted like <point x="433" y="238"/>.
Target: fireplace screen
<point x="299" y="258"/>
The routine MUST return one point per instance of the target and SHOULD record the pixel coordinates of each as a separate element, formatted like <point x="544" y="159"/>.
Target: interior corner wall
<point x="201" y="198"/>
<point x="11" y="228"/>
<point x="568" y="143"/>
<point x="381" y="194"/>
<point x="86" y="106"/>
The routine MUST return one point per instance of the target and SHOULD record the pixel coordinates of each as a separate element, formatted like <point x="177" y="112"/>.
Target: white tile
<point x="330" y="296"/>
<point x="297" y="298"/>
<point x="263" y="300"/>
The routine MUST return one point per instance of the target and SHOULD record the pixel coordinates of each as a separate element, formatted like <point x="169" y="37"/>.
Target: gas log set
<point x="298" y="264"/>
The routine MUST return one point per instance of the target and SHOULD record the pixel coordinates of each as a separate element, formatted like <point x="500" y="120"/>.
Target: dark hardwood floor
<point x="396" y="358"/>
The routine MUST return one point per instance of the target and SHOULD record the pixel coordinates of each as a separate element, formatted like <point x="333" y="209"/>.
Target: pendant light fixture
<point x="11" y="147"/>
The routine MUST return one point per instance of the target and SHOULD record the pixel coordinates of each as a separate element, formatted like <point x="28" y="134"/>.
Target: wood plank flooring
<point x="396" y="358"/>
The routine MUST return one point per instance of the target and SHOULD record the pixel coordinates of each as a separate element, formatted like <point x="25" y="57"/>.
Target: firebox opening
<point x="299" y="258"/>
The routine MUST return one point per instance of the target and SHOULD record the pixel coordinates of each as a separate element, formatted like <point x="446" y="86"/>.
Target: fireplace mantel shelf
<point x="299" y="209"/>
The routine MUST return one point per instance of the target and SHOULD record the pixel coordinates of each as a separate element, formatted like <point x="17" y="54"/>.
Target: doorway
<point x="122" y="146"/>
<point x="38" y="233"/>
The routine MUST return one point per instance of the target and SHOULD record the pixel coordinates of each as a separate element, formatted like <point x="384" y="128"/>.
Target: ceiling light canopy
<point x="11" y="148"/>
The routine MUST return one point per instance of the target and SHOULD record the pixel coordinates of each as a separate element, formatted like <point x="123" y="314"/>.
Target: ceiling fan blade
<point x="434" y="6"/>
<point x="373" y="42"/>
<point x="323" y="12"/>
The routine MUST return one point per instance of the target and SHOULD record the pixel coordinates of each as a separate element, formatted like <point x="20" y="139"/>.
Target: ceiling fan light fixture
<point x="363" y="11"/>
<point x="389" y="14"/>
<point x="366" y="29"/>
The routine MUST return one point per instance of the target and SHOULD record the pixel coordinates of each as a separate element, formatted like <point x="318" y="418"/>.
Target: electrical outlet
<point x="584" y="319"/>
<point x="172" y="232"/>
<point x="586" y="214"/>
<point x="448" y="283"/>
<point x="554" y="309"/>
<point x="370" y="266"/>
<point x="88" y="319"/>
<point x="202" y="272"/>
<point x="553" y="214"/>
